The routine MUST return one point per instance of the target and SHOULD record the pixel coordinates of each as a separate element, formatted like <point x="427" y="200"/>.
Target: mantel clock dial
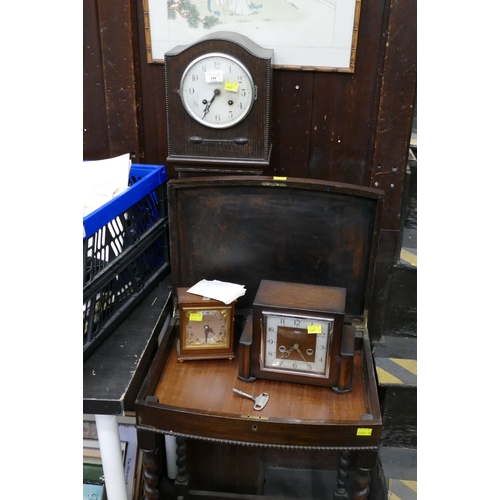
<point x="218" y="101"/>
<point x="296" y="344"/>
<point x="205" y="328"/>
<point x="217" y="90"/>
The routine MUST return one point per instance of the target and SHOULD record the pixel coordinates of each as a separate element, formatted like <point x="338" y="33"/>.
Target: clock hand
<point x="207" y="107"/>
<point x="303" y="357"/>
<point x="287" y="353"/>
<point x="208" y="330"/>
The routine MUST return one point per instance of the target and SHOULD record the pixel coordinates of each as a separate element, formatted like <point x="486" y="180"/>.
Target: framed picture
<point x="316" y="35"/>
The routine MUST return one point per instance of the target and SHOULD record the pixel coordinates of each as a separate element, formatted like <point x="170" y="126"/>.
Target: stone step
<point x="401" y="309"/>
<point x="396" y="368"/>
<point x="398" y="467"/>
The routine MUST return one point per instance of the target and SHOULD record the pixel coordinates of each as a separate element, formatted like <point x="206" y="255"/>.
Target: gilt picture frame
<point x="309" y="35"/>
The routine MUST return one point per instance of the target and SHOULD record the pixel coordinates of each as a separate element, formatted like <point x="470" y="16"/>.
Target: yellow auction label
<point x="314" y="329"/>
<point x="195" y="317"/>
<point x="276" y="178"/>
<point x="363" y="431"/>
<point x="231" y="86"/>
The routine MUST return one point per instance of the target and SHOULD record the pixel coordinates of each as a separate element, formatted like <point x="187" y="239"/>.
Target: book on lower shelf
<point x="92" y="491"/>
<point x="128" y="434"/>
<point x="93" y="473"/>
<point x="92" y="463"/>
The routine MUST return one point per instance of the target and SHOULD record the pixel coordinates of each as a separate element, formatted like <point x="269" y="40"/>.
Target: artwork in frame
<point x="316" y="35"/>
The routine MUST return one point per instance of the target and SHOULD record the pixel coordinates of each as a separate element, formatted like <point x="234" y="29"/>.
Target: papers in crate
<point x="103" y="180"/>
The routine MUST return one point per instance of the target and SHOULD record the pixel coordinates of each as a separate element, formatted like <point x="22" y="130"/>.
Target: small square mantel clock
<point x="298" y="335"/>
<point x="205" y="327"/>
<point x="218" y="100"/>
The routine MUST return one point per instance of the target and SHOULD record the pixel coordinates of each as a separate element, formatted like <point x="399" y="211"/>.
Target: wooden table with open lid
<point x="242" y="230"/>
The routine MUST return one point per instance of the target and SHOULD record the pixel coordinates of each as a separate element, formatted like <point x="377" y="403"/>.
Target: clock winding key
<point x="260" y="401"/>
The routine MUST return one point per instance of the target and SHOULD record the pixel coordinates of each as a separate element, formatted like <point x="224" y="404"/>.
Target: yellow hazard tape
<point x="386" y="378"/>
<point x="409" y="257"/>
<point x="407" y="364"/>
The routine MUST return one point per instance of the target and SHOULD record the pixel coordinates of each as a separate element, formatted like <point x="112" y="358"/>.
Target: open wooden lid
<point x="243" y="229"/>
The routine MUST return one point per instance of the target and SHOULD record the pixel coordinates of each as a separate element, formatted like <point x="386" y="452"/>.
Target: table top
<point x="195" y="398"/>
<point x="206" y="386"/>
<point x="113" y="374"/>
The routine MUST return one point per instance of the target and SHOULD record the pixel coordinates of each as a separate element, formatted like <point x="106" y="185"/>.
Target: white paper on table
<point x="102" y="180"/>
<point x="218" y="290"/>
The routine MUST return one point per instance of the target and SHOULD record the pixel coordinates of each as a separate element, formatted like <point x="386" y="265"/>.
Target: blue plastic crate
<point x="125" y="252"/>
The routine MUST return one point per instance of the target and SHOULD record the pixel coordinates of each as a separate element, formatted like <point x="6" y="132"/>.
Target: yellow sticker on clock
<point x="195" y="317"/>
<point x="231" y="86"/>
<point x="314" y="329"/>
<point x="364" y="431"/>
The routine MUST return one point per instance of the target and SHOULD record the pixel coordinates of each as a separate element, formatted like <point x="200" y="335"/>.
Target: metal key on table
<point x="260" y="400"/>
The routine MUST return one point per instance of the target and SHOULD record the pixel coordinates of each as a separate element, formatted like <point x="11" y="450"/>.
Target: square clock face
<point x="207" y="328"/>
<point x="296" y="344"/>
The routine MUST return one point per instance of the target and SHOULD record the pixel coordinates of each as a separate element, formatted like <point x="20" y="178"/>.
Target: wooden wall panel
<point x="343" y="109"/>
<point x="397" y="95"/>
<point x="291" y="122"/>
<point x="95" y="122"/>
<point x="115" y="35"/>
<point x="153" y="100"/>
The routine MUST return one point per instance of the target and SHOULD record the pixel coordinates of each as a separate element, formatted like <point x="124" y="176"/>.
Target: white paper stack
<point x="218" y="290"/>
<point x="103" y="180"/>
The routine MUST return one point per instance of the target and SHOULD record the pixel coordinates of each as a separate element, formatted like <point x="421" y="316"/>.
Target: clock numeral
<point x="191" y="90"/>
<point x="216" y="64"/>
<point x="194" y="78"/>
<point x="270" y="341"/>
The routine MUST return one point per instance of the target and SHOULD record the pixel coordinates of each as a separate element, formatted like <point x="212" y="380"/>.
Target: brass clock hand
<point x="303" y="357"/>
<point x="285" y="354"/>
<point x="207" y="107"/>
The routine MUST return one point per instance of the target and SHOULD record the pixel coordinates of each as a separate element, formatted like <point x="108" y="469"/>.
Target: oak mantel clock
<point x="298" y="335"/>
<point x="205" y="327"/>
<point x="218" y="98"/>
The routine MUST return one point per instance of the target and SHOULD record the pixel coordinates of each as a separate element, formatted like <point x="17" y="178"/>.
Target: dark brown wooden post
<point x="366" y="462"/>
<point x="342" y="476"/>
<point x="182" y="479"/>
<point x="150" y="474"/>
<point x="148" y="442"/>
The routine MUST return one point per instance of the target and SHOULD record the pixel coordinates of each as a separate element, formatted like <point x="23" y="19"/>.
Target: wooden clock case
<point x="245" y="147"/>
<point x="301" y="300"/>
<point x="189" y="302"/>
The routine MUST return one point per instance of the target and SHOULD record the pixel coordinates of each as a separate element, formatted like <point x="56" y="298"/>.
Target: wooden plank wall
<point x="352" y="128"/>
